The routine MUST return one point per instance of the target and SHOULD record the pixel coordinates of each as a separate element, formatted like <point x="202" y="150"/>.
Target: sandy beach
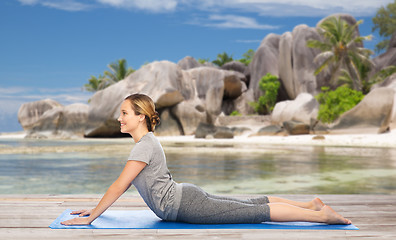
<point x="352" y="140"/>
<point x="347" y="140"/>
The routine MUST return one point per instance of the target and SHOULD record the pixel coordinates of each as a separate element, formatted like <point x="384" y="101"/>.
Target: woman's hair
<point x="143" y="104"/>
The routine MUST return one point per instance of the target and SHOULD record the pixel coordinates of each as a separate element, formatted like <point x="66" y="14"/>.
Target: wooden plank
<point x="28" y="217"/>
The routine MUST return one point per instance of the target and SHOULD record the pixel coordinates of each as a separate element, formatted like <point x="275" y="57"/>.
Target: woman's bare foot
<point x="317" y="204"/>
<point x="332" y="217"/>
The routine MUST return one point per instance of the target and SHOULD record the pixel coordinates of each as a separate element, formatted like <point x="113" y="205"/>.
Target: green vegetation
<point x="118" y="71"/>
<point x="247" y="57"/>
<point x="382" y="74"/>
<point x="334" y="103"/>
<point x="362" y="69"/>
<point x="341" y="48"/>
<point x="235" y="113"/>
<point x="385" y="22"/>
<point x="203" y="60"/>
<point x="95" y="84"/>
<point x="222" y="58"/>
<point x="269" y="84"/>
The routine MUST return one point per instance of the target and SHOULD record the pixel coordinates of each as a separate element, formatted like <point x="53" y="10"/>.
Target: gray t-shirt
<point x="154" y="183"/>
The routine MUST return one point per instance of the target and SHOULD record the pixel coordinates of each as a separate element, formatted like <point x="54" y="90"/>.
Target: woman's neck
<point x="138" y="134"/>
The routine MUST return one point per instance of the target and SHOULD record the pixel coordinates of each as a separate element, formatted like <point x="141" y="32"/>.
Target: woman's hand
<point x="82" y="213"/>
<point x="131" y="170"/>
<point x="77" y="221"/>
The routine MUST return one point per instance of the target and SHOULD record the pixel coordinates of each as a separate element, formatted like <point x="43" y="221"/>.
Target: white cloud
<point x="230" y="21"/>
<point x="281" y="8"/>
<point x="66" y="5"/>
<point x="234" y="21"/>
<point x="292" y="7"/>
<point x="12" y="90"/>
<point x="149" y="5"/>
<point x="28" y="2"/>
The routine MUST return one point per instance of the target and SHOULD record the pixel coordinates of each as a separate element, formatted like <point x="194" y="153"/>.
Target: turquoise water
<point x="218" y="168"/>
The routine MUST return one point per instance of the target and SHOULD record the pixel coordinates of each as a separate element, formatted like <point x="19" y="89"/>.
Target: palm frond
<point x="345" y="78"/>
<point x="382" y="74"/>
<point x="364" y="59"/>
<point x="324" y="65"/>
<point x="323" y="56"/>
<point x="323" y="46"/>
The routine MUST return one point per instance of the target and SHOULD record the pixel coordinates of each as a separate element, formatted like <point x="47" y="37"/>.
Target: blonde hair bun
<point x="155" y="120"/>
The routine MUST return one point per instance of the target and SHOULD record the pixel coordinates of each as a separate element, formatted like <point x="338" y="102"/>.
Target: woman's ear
<point x="142" y="117"/>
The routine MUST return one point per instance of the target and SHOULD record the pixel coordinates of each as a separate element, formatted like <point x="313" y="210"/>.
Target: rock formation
<point x="271" y="130"/>
<point x="205" y="130"/>
<point x="289" y="58"/>
<point x="30" y="113"/>
<point x="373" y="114"/>
<point x="296" y="127"/>
<point x="389" y="82"/>
<point x="238" y="67"/>
<point x="183" y="97"/>
<point x="302" y="109"/>
<point x="61" y="122"/>
<point x="189" y="93"/>
<point x="265" y="60"/>
<point x="388" y="58"/>
<point x="188" y="63"/>
<point x="303" y="61"/>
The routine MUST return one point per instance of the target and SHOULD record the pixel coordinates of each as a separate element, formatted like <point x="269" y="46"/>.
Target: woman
<point x="146" y="168"/>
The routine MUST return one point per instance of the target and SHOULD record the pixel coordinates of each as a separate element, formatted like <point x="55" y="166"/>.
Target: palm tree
<point x="95" y="84"/>
<point x="118" y="71"/>
<point x="341" y="48"/>
<point x="363" y="72"/>
<point x="381" y="75"/>
<point x="222" y="58"/>
<point x="247" y="57"/>
<point x="385" y="22"/>
<point x="203" y="60"/>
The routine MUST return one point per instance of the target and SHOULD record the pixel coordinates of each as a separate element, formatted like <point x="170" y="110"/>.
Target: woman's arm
<point x="131" y="170"/>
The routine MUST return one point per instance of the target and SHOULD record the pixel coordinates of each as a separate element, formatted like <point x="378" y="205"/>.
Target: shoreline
<point x="385" y="140"/>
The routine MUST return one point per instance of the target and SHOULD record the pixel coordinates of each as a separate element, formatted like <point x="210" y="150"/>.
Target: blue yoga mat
<point x="146" y="219"/>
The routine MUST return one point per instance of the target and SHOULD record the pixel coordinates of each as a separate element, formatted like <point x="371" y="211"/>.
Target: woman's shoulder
<point x="150" y="140"/>
<point x="145" y="148"/>
<point x="149" y="137"/>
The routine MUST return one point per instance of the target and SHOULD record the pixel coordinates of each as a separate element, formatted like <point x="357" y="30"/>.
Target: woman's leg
<point x="197" y="206"/>
<point x="283" y="212"/>
<point x="260" y="200"/>
<point x="315" y="204"/>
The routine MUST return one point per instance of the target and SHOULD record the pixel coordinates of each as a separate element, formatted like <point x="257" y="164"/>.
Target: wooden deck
<point x="28" y="217"/>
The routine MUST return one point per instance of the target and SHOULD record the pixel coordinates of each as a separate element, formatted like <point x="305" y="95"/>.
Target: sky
<point x="50" y="48"/>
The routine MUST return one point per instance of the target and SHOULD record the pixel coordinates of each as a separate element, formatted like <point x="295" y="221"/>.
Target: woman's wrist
<point x="90" y="219"/>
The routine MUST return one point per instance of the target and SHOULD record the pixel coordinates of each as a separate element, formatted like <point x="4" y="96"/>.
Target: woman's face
<point x="128" y="119"/>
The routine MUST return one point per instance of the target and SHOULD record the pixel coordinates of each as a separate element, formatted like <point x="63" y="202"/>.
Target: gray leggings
<point x="197" y="206"/>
